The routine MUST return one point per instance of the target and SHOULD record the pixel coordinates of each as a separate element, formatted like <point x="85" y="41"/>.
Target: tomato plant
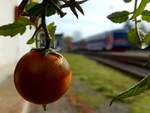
<point x="41" y="75"/>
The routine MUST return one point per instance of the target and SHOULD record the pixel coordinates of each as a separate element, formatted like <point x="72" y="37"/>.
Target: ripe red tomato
<point x="42" y="79"/>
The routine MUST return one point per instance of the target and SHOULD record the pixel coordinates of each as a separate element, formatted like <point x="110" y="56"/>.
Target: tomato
<point x="42" y="79"/>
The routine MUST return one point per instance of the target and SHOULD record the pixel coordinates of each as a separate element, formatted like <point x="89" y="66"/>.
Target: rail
<point x="134" y="62"/>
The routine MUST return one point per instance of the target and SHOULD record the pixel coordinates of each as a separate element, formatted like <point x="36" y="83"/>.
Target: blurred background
<point x="109" y="65"/>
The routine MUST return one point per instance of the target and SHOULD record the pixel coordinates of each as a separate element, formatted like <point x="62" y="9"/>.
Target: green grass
<point x="97" y="75"/>
<point x="102" y="83"/>
<point x="142" y="103"/>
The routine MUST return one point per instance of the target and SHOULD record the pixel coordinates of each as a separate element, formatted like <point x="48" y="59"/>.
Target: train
<point x="115" y="40"/>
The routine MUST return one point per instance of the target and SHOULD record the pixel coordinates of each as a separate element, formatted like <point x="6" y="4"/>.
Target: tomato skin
<point x="42" y="79"/>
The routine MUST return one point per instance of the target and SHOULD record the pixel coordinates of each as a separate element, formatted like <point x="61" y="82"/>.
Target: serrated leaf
<point x="127" y="1"/>
<point x="146" y="39"/>
<point x="31" y="41"/>
<point x="13" y="29"/>
<point x="140" y="9"/>
<point x="137" y="89"/>
<point x="146" y="15"/>
<point x="133" y="38"/>
<point x="118" y="17"/>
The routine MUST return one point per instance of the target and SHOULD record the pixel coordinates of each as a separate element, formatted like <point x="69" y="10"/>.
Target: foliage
<point x="139" y="12"/>
<point x="132" y="37"/>
<point x="140" y="9"/>
<point x="146" y="15"/>
<point x="119" y="17"/>
<point x="13" y="29"/>
<point x="34" y="14"/>
<point x="136" y="37"/>
<point x="139" y="88"/>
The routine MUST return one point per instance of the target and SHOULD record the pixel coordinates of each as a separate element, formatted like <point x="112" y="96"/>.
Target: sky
<point x="94" y="21"/>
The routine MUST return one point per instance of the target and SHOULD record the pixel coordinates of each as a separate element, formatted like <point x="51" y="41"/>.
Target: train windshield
<point x="120" y="35"/>
<point x="120" y="40"/>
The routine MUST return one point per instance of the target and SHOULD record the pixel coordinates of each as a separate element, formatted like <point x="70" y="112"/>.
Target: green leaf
<point x="146" y="39"/>
<point x="34" y="9"/>
<point x="118" y="17"/>
<point x="146" y="15"/>
<point x="140" y="9"/>
<point x="137" y="89"/>
<point x="30" y="5"/>
<point x="52" y="29"/>
<point x="133" y="37"/>
<point x="31" y="41"/>
<point x="127" y="1"/>
<point x="50" y="10"/>
<point x="13" y="29"/>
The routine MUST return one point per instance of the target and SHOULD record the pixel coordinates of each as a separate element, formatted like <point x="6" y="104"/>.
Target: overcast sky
<point x="94" y="21"/>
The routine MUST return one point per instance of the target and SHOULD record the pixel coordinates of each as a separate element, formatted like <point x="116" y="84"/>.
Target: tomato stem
<point x="48" y="38"/>
<point x="44" y="107"/>
<point x="23" y="4"/>
<point x="36" y="42"/>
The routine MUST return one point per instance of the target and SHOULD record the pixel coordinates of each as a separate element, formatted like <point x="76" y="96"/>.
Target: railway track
<point x="132" y="62"/>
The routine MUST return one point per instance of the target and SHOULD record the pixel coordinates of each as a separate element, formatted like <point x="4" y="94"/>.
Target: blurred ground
<point x="6" y="71"/>
<point x="11" y="102"/>
<point x="92" y="88"/>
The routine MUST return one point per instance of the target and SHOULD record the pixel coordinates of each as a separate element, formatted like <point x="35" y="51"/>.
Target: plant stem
<point x="36" y="41"/>
<point x="62" y="14"/>
<point x="136" y="22"/>
<point x="48" y="38"/>
<point x="44" y="107"/>
<point x="37" y="30"/>
<point x="23" y="4"/>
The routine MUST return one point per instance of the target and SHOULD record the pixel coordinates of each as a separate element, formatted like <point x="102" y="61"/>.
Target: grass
<point x="102" y="83"/>
<point x="142" y="103"/>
